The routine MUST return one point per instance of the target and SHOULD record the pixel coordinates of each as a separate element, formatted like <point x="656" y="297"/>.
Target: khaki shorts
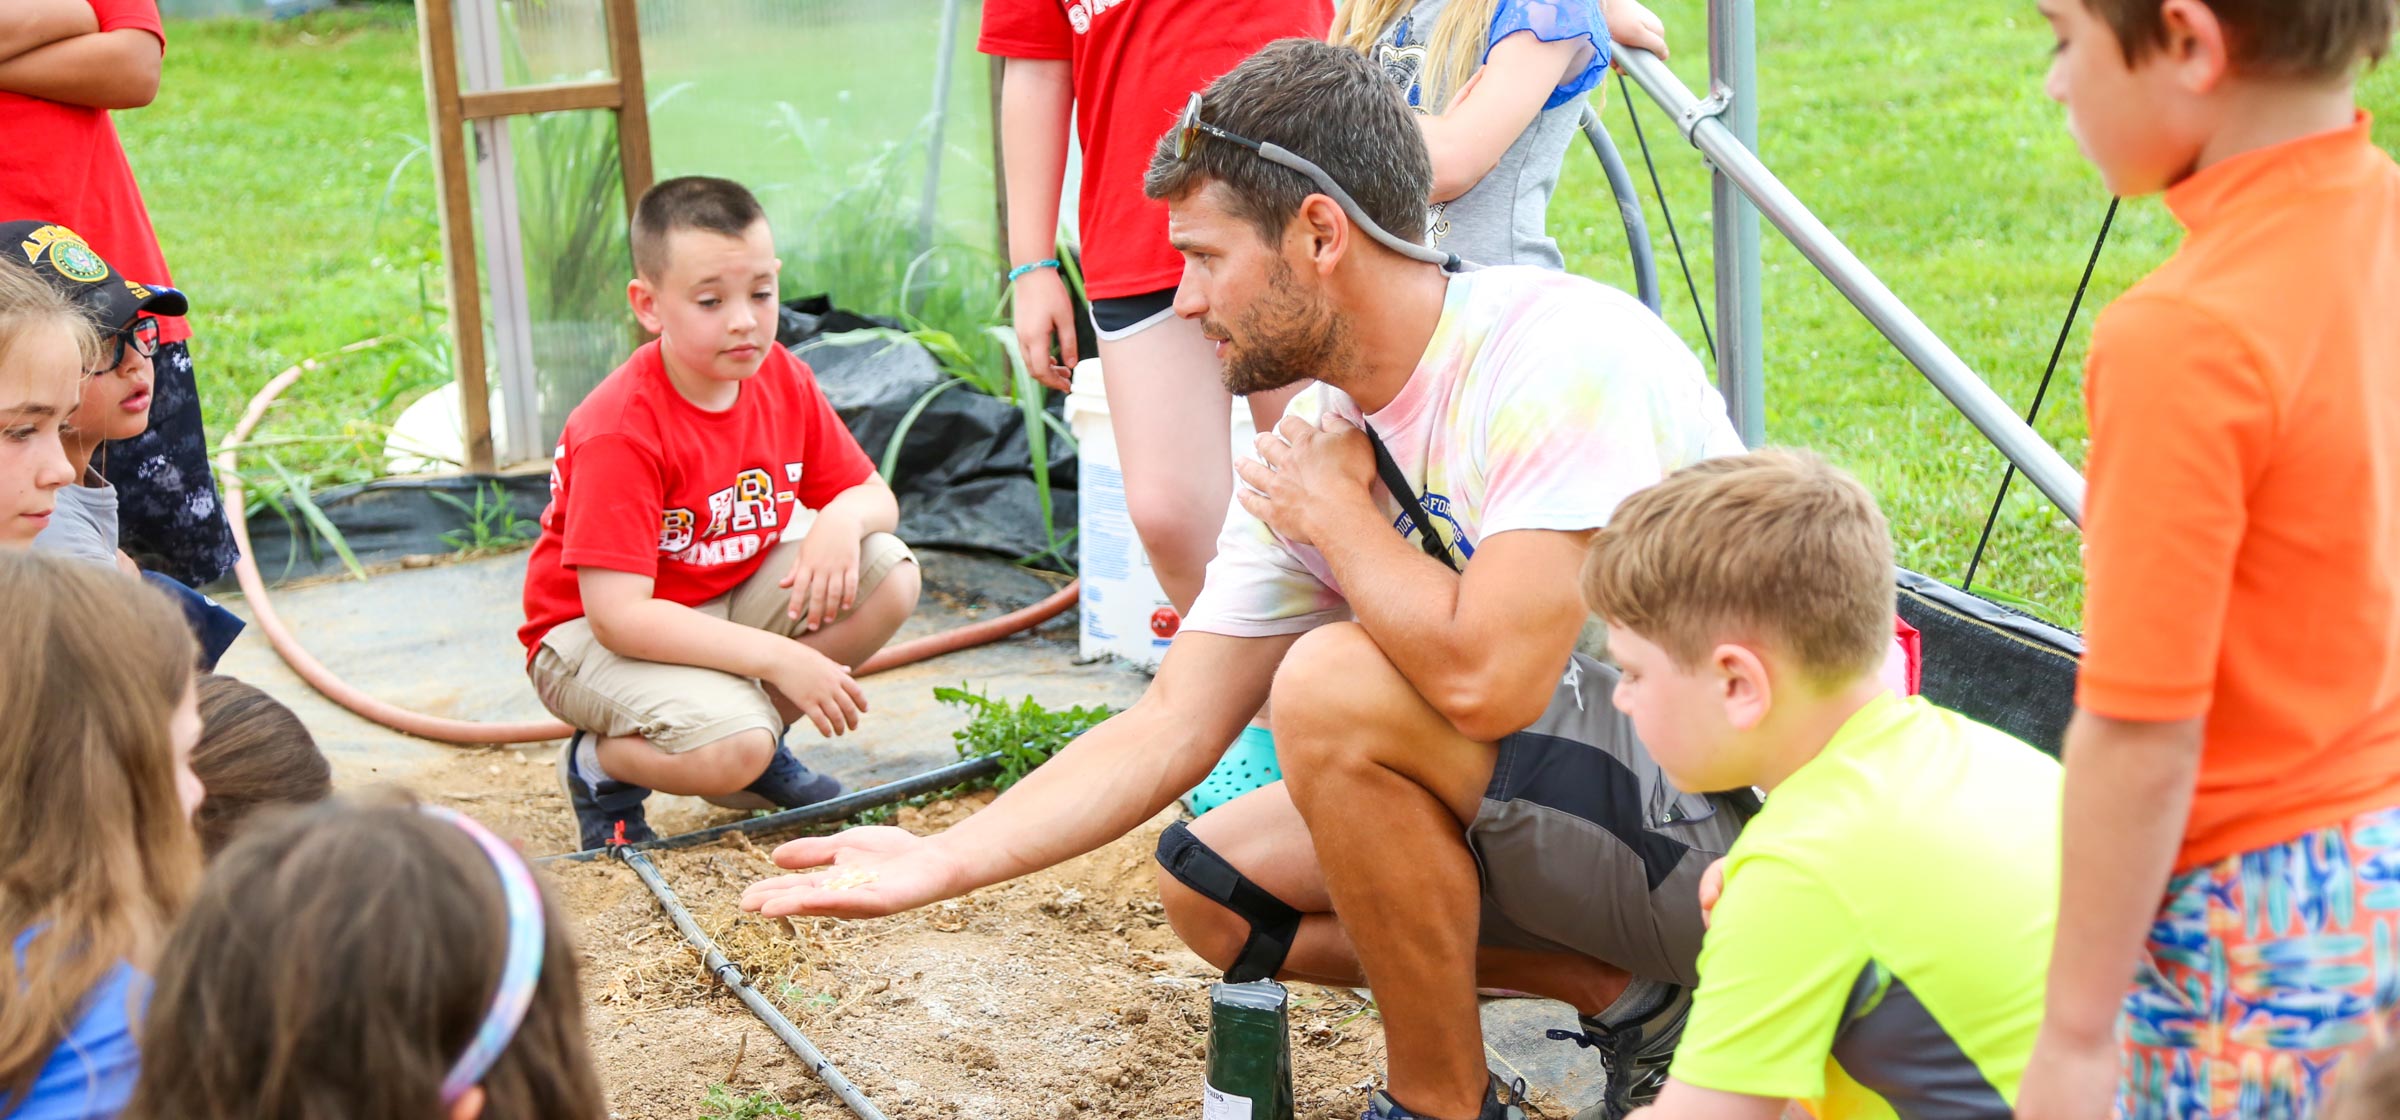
<point x="679" y="707"/>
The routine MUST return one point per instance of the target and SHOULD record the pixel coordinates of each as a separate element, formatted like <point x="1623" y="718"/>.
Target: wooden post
<point x="633" y="110"/>
<point x="449" y="109"/>
<point x="436" y="35"/>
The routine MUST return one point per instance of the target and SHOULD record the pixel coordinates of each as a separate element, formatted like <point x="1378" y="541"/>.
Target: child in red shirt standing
<point x="717" y="554"/>
<point x="2232" y="813"/>
<point x="1120" y="71"/>
<point x="64" y="64"/>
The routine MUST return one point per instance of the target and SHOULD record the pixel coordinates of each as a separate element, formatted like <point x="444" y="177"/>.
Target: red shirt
<point x="62" y="163"/>
<point x="1136" y="63"/>
<point x="645" y="481"/>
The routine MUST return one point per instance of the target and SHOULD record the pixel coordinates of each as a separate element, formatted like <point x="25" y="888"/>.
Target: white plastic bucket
<point x="1125" y="614"/>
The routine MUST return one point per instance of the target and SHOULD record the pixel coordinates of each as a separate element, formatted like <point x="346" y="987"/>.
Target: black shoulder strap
<point x="1397" y="483"/>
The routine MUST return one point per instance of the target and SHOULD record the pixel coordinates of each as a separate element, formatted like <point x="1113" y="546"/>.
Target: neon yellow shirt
<point x="1880" y="947"/>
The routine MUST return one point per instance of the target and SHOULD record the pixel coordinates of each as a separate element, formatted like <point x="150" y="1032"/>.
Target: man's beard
<point x="1288" y="336"/>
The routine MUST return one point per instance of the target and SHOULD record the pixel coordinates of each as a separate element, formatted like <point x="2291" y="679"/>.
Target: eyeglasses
<point x="1187" y="137"/>
<point x="141" y="334"/>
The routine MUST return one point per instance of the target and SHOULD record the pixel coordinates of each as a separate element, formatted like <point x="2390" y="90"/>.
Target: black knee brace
<point x="1273" y="922"/>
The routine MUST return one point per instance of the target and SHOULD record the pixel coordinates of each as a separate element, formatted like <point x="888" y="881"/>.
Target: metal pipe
<point x="1909" y="334"/>
<point x="929" y="205"/>
<point x="1629" y="208"/>
<point x="730" y="975"/>
<point x="1741" y="315"/>
<point x="824" y="812"/>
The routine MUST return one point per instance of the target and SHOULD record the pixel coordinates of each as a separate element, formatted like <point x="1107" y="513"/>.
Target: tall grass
<point x="861" y="245"/>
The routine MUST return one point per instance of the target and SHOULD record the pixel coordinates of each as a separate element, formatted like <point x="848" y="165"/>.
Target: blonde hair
<point x="1778" y="545"/>
<point x="95" y="852"/>
<point x="29" y="305"/>
<point x="1454" y="48"/>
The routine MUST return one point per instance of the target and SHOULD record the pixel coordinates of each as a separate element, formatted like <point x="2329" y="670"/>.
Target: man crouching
<point x="1434" y="718"/>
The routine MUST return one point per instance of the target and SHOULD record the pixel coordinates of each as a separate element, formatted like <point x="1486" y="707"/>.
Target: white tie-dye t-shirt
<point x="1542" y="401"/>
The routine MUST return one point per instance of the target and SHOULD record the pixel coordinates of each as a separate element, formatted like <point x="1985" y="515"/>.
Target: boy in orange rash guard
<point x="2232" y="814"/>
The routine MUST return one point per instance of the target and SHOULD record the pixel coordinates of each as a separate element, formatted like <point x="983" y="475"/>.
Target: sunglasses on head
<point x="1191" y="128"/>
<point x="141" y="334"/>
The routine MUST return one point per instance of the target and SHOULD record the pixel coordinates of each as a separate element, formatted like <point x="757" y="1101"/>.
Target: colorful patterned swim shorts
<point x="2266" y="972"/>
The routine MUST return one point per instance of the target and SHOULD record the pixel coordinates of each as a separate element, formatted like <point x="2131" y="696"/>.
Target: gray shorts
<point x="1585" y="848"/>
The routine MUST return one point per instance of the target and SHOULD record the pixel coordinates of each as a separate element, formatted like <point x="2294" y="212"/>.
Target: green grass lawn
<point x="1919" y="133"/>
<point x="265" y="163"/>
<point x="277" y="164"/>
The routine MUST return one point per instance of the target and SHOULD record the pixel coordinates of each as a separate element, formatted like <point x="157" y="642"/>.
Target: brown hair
<point x="1775" y="544"/>
<point x="1323" y="103"/>
<point x="1454" y="45"/>
<point x="2304" y="39"/>
<point x="253" y="753"/>
<point x="95" y="852"/>
<point x="29" y="304"/>
<point x="698" y="202"/>
<point x="338" y="959"/>
<point x="2370" y="1088"/>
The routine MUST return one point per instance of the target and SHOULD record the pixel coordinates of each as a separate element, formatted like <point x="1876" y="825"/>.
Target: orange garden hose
<point x="446" y="730"/>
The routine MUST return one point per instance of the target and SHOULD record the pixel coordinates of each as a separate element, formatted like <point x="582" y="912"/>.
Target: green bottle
<point x="1249" y="1053"/>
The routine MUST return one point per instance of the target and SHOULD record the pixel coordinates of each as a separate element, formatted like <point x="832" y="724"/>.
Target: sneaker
<point x="606" y="811"/>
<point x="1500" y="1102"/>
<point x="1636" y="1053"/>
<point x="786" y="784"/>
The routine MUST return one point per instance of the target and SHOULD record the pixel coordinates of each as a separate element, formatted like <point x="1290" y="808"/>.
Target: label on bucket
<point x="1222" y="1106"/>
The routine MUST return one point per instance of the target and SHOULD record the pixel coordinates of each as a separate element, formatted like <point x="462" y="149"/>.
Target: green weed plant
<point x="1024" y="734"/>
<point x="491" y="522"/>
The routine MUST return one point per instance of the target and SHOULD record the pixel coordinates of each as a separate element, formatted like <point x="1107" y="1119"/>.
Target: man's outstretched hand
<point x="870" y="872"/>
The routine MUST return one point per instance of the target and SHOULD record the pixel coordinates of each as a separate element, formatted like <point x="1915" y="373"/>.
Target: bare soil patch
<point x="1060" y="996"/>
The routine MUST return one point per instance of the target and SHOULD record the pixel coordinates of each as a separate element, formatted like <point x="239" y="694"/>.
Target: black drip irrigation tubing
<point x="824" y="812"/>
<point x="730" y="975"/>
<point x="713" y="958"/>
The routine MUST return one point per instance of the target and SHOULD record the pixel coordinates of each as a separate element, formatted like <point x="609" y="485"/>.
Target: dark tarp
<point x="965" y="477"/>
<point x="1989" y="663"/>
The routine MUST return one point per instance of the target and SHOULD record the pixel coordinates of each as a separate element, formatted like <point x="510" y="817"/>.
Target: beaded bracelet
<point x="1021" y="270"/>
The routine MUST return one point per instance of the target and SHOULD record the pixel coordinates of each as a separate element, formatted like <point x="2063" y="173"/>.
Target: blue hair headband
<point x="527" y="937"/>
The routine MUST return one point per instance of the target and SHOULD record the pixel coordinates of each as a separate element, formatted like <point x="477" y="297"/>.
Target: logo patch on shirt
<point x="675" y="530"/>
<point x="1081" y="13"/>
<point x="1437" y="507"/>
<point x="747" y="505"/>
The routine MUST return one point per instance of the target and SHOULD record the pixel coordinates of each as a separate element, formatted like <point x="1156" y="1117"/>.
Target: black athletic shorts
<point x="1126" y="316"/>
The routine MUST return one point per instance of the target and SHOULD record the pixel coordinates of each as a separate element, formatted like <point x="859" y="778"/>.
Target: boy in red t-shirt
<point x="718" y="551"/>
<point x="2232" y="813"/>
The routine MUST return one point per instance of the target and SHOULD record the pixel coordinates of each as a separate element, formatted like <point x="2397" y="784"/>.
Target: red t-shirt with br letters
<point x="1136" y="63"/>
<point x="645" y="481"/>
<point x="62" y="163"/>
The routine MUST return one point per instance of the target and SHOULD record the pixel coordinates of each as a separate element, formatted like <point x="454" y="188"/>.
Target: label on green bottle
<point x="1222" y="1106"/>
<point x="1249" y="1053"/>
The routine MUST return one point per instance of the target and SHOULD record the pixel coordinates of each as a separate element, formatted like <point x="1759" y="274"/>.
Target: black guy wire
<point x="1625" y="91"/>
<point x="2057" y="348"/>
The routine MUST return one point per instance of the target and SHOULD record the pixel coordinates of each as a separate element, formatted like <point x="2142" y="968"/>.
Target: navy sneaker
<point x="785" y="784"/>
<point x="608" y="811"/>
<point x="1636" y="1052"/>
<point x="1500" y="1102"/>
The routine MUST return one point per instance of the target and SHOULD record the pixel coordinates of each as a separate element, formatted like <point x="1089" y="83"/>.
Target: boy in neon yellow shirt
<point x="1880" y="942"/>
